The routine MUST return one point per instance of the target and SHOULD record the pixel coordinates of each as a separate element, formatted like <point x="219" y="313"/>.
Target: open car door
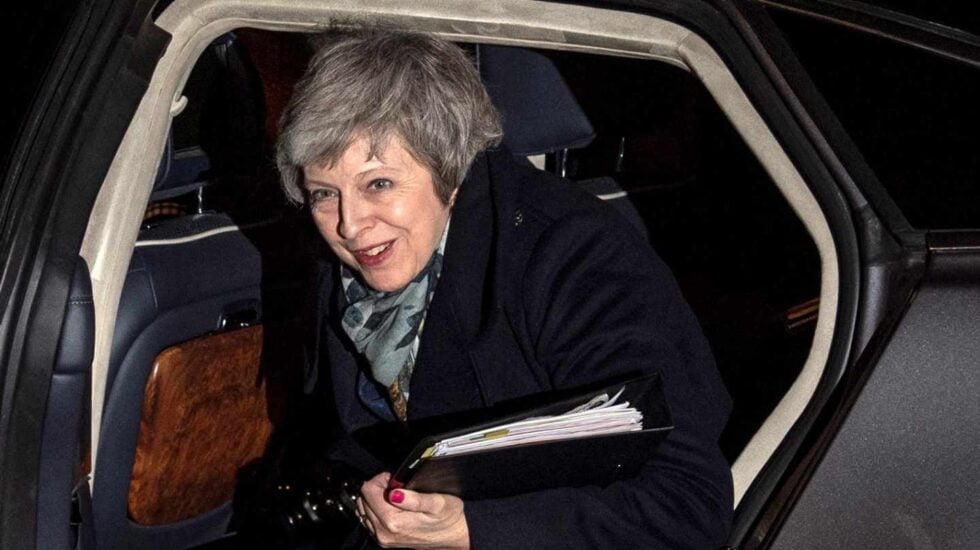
<point x="91" y="78"/>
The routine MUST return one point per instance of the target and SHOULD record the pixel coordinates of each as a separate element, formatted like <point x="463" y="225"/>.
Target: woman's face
<point x="380" y="215"/>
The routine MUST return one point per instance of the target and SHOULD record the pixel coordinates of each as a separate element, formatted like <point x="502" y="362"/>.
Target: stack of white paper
<point x="601" y="415"/>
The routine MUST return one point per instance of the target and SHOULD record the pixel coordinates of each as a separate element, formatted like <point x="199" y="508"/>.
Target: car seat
<point x="541" y="116"/>
<point x="201" y="353"/>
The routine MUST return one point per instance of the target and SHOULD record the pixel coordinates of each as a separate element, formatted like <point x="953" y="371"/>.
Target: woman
<point x="458" y="279"/>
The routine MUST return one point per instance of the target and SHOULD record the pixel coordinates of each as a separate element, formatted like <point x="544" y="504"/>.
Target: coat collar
<point x="469" y="248"/>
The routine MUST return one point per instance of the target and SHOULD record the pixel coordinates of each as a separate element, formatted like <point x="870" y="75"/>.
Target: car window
<point x="911" y="113"/>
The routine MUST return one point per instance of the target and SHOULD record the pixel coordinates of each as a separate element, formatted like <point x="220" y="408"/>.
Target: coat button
<point x="518" y="218"/>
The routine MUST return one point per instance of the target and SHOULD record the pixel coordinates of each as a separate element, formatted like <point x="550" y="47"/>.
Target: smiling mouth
<point x="374" y="255"/>
<point x="376" y="250"/>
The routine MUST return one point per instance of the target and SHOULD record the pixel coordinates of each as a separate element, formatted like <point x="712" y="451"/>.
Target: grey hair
<point x="381" y="84"/>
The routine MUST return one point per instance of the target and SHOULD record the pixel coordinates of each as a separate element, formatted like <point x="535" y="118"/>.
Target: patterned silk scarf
<point x="385" y="326"/>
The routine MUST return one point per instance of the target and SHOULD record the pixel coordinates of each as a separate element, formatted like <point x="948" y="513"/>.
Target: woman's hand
<point x="409" y="519"/>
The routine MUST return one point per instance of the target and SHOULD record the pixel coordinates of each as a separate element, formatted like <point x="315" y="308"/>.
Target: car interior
<point x="190" y="298"/>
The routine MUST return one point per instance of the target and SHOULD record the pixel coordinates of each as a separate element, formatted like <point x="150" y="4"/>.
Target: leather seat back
<point x="542" y="116"/>
<point x="192" y="395"/>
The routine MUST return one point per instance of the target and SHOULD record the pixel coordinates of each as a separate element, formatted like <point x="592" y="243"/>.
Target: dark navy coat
<point x="545" y="287"/>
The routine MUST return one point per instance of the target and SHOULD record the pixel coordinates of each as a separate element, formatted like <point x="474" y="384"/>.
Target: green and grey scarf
<point x="385" y="326"/>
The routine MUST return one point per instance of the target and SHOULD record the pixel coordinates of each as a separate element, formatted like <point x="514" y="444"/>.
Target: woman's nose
<point x="355" y="216"/>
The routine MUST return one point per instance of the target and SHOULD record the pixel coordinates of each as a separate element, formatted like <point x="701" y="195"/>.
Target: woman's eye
<point x="317" y="196"/>
<point x="380" y="184"/>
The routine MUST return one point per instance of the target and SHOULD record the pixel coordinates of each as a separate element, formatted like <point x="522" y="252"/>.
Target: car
<point x="806" y="168"/>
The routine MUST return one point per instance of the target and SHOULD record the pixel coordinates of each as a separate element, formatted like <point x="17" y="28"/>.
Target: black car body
<point x="846" y="133"/>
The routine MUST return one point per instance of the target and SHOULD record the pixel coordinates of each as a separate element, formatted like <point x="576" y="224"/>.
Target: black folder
<point x="594" y="460"/>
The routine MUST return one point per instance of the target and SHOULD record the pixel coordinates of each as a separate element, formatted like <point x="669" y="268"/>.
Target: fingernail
<point x="396" y="497"/>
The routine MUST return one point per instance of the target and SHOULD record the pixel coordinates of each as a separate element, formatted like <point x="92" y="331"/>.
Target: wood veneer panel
<point x="205" y="415"/>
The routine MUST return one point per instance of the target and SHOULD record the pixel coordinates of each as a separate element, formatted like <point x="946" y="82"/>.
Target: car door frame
<point x="62" y="154"/>
<point x="47" y="200"/>
<point x="894" y="256"/>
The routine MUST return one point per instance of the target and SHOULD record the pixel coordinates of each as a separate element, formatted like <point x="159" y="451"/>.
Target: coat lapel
<point x="444" y="380"/>
<point x="470" y="356"/>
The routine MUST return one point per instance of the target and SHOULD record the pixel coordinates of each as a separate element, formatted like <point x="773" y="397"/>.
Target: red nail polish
<point x="396" y="497"/>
